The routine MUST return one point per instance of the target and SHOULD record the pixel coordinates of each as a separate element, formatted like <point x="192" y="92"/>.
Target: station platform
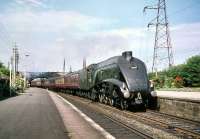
<point x="181" y="104"/>
<point x="78" y="125"/>
<point x="32" y="115"/>
<point x="42" y="114"/>
<point x="190" y="96"/>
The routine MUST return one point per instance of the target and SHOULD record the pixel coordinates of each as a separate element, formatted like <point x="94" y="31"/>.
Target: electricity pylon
<point x="163" y="54"/>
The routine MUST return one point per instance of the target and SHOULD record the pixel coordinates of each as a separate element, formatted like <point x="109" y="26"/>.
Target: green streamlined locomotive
<point x="118" y="81"/>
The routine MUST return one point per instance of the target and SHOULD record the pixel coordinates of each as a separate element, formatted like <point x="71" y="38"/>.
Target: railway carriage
<point x="71" y="80"/>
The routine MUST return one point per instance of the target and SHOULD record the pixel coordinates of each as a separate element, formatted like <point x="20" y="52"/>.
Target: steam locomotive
<point x="118" y="81"/>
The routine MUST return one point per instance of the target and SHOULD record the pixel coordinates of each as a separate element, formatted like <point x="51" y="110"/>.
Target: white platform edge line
<point x="92" y="123"/>
<point x="89" y="120"/>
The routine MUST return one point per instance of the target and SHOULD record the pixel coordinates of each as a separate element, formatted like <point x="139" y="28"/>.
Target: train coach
<point x="118" y="81"/>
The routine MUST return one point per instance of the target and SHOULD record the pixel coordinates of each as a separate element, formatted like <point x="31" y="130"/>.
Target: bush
<point x="178" y="82"/>
<point x="4" y="88"/>
<point x="158" y="82"/>
<point x="193" y="70"/>
<point x="168" y="82"/>
<point x="184" y="75"/>
<point x="4" y="82"/>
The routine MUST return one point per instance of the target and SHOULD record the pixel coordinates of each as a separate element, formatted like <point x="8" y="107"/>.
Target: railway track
<point x="176" y="126"/>
<point x="115" y="127"/>
<point x="181" y="127"/>
<point x="186" y="127"/>
<point x="134" y="130"/>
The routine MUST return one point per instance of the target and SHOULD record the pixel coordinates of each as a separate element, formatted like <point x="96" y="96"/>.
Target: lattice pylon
<point x="163" y="54"/>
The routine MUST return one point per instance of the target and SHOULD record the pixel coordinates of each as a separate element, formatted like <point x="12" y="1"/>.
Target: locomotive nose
<point x="135" y="93"/>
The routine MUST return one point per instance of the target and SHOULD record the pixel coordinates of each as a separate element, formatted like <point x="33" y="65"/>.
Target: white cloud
<point x="52" y="35"/>
<point x="51" y="21"/>
<point x="186" y="42"/>
<point x="35" y="3"/>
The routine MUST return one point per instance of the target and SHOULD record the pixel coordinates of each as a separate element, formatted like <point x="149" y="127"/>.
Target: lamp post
<point x="25" y="82"/>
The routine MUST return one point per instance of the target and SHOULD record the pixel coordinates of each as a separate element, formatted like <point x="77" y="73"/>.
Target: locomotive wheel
<point x="94" y="95"/>
<point x="106" y="100"/>
<point x="123" y="104"/>
<point x="100" y="98"/>
<point x="88" y="95"/>
<point x="111" y="102"/>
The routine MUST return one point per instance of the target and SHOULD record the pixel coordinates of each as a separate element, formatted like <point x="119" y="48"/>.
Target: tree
<point x="187" y="74"/>
<point x="192" y="69"/>
<point x="4" y="81"/>
<point x="3" y="71"/>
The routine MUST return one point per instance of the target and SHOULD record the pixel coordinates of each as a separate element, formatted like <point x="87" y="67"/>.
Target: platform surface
<point x="79" y="125"/>
<point x="179" y="95"/>
<point x="32" y="115"/>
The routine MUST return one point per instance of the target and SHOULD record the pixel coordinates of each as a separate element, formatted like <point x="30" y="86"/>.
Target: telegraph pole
<point x="70" y="69"/>
<point x="162" y="54"/>
<point x="64" y="66"/>
<point x="14" y="65"/>
<point x="17" y="58"/>
<point x="10" y="68"/>
<point x="84" y="63"/>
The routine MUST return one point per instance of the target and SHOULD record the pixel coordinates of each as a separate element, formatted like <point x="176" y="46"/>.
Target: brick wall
<point x="182" y="108"/>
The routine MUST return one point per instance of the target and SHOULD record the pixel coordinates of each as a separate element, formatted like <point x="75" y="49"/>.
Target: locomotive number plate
<point x="138" y="99"/>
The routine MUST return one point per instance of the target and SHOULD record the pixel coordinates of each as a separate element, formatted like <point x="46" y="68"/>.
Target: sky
<point x="51" y="30"/>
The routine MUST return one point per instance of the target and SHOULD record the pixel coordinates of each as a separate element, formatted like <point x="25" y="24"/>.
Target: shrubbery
<point x="184" y="75"/>
<point x="4" y="82"/>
